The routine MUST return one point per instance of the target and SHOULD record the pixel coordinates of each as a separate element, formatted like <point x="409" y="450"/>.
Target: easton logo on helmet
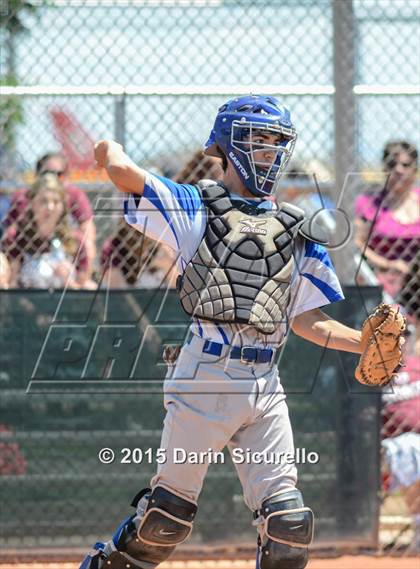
<point x="239" y="165"/>
<point x="253" y="226"/>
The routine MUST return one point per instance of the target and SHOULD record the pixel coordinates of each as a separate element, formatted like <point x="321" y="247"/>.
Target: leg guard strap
<point x="162" y="521"/>
<point x="274" y="555"/>
<point x="94" y="558"/>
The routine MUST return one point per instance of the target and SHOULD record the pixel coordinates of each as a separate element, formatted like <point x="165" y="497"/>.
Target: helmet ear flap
<point x="214" y="150"/>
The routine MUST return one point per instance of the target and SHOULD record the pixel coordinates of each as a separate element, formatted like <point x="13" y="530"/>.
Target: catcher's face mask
<point x="257" y="136"/>
<point x="264" y="151"/>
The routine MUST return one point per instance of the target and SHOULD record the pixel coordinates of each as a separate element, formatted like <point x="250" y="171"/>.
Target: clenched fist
<point x="102" y="150"/>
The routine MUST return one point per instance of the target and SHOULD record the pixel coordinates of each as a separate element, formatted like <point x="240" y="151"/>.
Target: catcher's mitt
<point x="381" y="345"/>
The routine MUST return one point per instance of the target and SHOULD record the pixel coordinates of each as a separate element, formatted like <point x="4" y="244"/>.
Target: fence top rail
<point x="202" y="90"/>
<point x="129" y="3"/>
<point x="165" y="90"/>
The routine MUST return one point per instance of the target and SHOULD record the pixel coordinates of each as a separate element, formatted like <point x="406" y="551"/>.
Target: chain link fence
<point x="57" y="493"/>
<point x="151" y="74"/>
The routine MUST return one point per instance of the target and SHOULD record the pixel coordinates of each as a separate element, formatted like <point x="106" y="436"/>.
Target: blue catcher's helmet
<point x="257" y="136"/>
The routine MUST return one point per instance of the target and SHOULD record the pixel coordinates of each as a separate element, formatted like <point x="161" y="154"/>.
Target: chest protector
<point x="242" y="269"/>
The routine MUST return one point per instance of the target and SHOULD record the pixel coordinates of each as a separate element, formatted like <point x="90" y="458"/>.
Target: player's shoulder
<point x="159" y="188"/>
<point x="288" y="206"/>
<point x="158" y="181"/>
<point x="314" y="250"/>
<point x="311" y="256"/>
<point x="310" y="229"/>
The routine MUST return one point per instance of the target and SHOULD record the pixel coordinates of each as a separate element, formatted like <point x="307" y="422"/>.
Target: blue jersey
<point x="174" y="215"/>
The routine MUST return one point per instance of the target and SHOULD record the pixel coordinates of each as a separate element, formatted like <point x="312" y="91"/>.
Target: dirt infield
<point x="346" y="562"/>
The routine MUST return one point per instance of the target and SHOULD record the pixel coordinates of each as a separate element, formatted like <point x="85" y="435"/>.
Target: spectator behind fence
<point x="402" y="406"/>
<point x="129" y="258"/>
<point x="5" y="273"/>
<point x="41" y="246"/>
<point x="78" y="206"/>
<point x="401" y="411"/>
<point x="12" y="461"/>
<point x="299" y="188"/>
<point x="199" y="167"/>
<point x="387" y="225"/>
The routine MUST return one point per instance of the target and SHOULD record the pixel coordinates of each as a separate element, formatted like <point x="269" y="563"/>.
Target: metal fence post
<point x="119" y="118"/>
<point x="344" y="81"/>
<point x="344" y="162"/>
<point x="119" y="135"/>
<point x="344" y="116"/>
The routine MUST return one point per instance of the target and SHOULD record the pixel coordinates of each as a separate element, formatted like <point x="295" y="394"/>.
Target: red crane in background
<point x="76" y="142"/>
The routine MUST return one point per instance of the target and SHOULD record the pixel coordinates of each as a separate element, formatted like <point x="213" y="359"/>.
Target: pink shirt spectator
<point x="402" y="407"/>
<point x="389" y="238"/>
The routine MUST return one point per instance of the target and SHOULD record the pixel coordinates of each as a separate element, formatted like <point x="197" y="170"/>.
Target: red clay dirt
<point x="345" y="562"/>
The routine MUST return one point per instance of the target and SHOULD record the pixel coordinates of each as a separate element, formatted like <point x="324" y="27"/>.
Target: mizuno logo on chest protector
<point x="253" y="226"/>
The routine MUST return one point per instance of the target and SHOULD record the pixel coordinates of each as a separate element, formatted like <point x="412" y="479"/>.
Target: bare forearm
<point x="123" y="172"/>
<point x="382" y="263"/>
<point x="319" y="328"/>
<point x="377" y="260"/>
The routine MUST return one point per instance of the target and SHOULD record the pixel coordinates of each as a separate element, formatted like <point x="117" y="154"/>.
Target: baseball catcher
<point x="249" y="270"/>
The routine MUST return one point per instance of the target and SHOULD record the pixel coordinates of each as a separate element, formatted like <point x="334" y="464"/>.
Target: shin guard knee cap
<point x="168" y="519"/>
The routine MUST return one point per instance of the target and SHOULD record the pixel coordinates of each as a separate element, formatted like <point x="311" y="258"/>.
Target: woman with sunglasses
<point x="387" y="222"/>
<point x="77" y="203"/>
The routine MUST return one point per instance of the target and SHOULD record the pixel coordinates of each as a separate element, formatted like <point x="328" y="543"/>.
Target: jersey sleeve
<point x="170" y="213"/>
<point x="315" y="282"/>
